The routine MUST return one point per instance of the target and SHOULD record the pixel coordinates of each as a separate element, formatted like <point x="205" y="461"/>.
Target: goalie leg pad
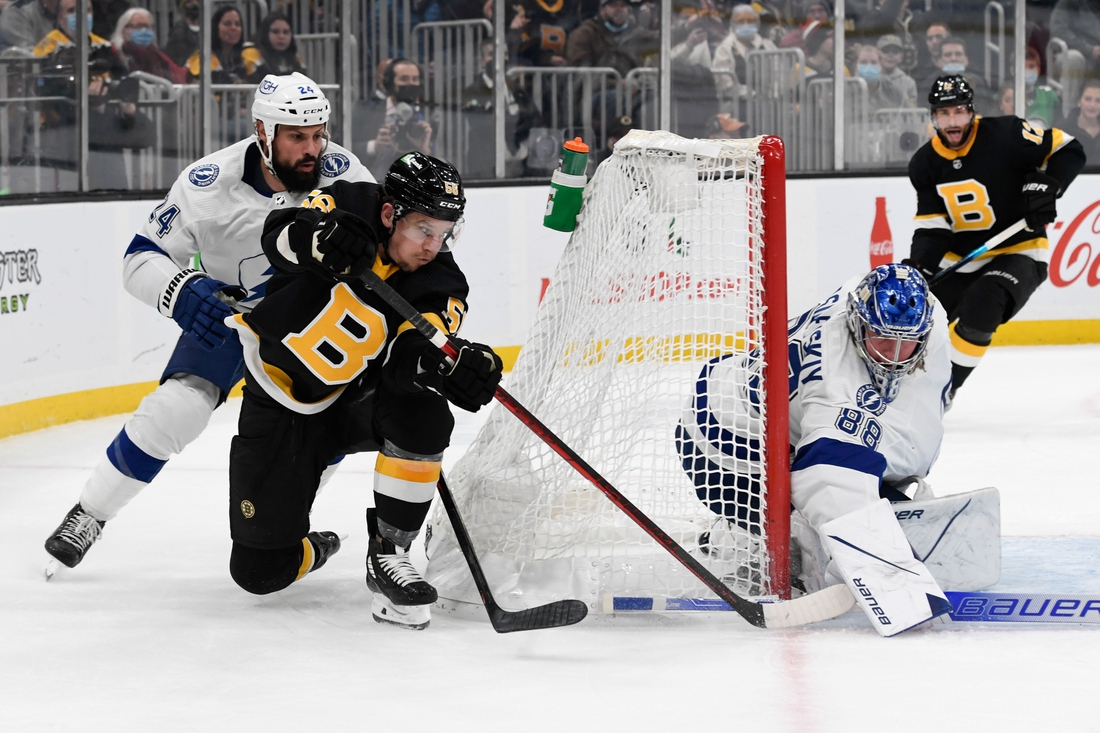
<point x="871" y="554"/>
<point x="958" y="538"/>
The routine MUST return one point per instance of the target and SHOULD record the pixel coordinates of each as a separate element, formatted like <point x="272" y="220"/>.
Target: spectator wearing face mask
<point x="184" y="38"/>
<point x="744" y="37"/>
<point x="1043" y="105"/>
<point x="612" y="38"/>
<point x="136" y="42"/>
<point x="275" y="52"/>
<point x="953" y="60"/>
<point x="403" y="124"/>
<point x="881" y="94"/>
<point x="891" y="51"/>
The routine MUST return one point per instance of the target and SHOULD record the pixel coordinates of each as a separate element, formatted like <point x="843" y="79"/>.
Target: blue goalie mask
<point x="890" y="316"/>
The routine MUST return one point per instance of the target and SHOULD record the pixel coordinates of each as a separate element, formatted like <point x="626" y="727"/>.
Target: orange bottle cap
<point x="576" y="145"/>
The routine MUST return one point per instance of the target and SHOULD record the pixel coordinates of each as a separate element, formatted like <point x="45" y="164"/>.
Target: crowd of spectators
<point x="897" y="47"/>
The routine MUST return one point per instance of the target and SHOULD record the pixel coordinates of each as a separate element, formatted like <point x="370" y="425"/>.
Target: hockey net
<point x="677" y="261"/>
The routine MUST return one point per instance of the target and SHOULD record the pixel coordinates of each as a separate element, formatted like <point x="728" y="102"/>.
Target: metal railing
<point x="994" y="47"/>
<point x="578" y="99"/>
<point x="448" y="54"/>
<point x="775" y="87"/>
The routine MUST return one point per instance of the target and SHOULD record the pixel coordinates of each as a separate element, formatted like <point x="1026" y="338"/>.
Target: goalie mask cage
<point x="678" y="261"/>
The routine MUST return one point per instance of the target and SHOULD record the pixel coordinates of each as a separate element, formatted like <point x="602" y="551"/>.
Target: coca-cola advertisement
<point x="1075" y="253"/>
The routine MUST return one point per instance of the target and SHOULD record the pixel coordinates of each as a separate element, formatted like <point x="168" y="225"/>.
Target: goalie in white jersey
<point x="200" y="245"/>
<point x="869" y="373"/>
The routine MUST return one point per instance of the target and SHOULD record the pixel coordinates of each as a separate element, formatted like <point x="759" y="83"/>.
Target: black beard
<point x="296" y="180"/>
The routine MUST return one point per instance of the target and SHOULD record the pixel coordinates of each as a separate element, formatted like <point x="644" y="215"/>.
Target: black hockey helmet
<point x="418" y="182"/>
<point x="951" y="91"/>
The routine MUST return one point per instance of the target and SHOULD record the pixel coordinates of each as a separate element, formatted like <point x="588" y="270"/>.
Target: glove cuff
<point x="168" y="299"/>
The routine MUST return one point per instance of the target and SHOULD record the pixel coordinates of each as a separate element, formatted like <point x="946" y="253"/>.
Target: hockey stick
<point x="1053" y="608"/>
<point x="548" y="616"/>
<point x="978" y="251"/>
<point x="825" y="604"/>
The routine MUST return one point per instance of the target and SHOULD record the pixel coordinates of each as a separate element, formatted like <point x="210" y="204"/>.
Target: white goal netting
<point x="661" y="282"/>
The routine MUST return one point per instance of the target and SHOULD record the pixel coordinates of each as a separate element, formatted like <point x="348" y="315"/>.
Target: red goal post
<point x="678" y="263"/>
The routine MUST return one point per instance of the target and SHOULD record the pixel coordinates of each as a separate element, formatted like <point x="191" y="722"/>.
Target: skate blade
<point x="53" y="568"/>
<point x="415" y="618"/>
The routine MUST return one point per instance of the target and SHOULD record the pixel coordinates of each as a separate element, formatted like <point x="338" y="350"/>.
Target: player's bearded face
<point x="294" y="156"/>
<point x="954" y="124"/>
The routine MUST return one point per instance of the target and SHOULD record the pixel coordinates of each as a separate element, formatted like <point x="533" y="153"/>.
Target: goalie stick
<point x="1009" y="607"/>
<point x="824" y="604"/>
<point x="548" y="616"/>
<point x="978" y="251"/>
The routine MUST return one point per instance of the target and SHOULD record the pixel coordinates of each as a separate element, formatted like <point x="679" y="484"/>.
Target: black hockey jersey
<point x="967" y="196"/>
<point x="315" y="333"/>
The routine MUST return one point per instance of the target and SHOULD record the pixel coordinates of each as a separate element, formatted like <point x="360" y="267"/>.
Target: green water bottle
<point x="567" y="187"/>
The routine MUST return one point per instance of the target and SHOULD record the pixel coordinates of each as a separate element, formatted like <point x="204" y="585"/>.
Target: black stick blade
<point x="552" y="615"/>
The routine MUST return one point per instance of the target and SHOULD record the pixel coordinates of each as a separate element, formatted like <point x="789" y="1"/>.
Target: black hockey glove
<point x="473" y="378"/>
<point x="339" y="240"/>
<point x="1040" y="197"/>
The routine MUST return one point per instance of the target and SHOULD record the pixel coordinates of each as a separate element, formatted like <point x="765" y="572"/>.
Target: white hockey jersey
<point x="844" y="438"/>
<point x="212" y="212"/>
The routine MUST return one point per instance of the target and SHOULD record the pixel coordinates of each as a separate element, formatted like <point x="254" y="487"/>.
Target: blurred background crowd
<point x="422" y="76"/>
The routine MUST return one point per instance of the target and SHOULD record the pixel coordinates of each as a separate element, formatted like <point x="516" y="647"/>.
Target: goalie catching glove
<point x="341" y="241"/>
<point x="1040" y="197"/>
<point x="200" y="304"/>
<point x="470" y="381"/>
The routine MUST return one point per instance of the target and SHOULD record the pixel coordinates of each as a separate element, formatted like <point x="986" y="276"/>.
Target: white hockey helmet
<point x="293" y="99"/>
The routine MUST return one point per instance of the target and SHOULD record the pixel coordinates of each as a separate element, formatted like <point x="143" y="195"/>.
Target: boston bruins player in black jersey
<point x="977" y="177"/>
<point x="331" y="369"/>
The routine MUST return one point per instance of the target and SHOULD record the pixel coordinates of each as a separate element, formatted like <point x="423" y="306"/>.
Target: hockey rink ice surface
<point x="151" y="634"/>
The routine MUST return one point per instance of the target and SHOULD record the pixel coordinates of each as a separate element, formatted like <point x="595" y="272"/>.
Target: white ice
<point x="150" y="633"/>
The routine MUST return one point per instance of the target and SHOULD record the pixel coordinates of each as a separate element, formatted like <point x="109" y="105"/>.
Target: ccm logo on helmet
<point x="449" y="205"/>
<point x="268" y="87"/>
<point x="312" y="111"/>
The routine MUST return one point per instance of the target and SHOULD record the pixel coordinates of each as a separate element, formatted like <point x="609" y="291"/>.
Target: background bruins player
<point x="975" y="178"/>
<point x="331" y="369"/>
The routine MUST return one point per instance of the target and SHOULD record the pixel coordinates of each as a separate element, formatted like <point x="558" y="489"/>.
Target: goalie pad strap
<point x="167" y="302"/>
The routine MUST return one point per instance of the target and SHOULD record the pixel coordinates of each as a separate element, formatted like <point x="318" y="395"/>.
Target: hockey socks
<point x="317" y="548"/>
<point x="873" y="557"/>
<point x="968" y="346"/>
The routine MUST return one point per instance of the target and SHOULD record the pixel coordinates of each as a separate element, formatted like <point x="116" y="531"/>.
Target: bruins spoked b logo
<point x="248" y="509"/>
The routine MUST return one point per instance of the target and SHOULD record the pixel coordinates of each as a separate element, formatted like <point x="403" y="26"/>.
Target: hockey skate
<point x="70" y="541"/>
<point x="401" y="596"/>
<point x="728" y="544"/>
<point x="325" y="545"/>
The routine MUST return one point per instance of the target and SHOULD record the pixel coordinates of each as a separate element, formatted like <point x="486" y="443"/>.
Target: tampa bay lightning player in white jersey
<point x="199" y="247"/>
<point x="869" y="375"/>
